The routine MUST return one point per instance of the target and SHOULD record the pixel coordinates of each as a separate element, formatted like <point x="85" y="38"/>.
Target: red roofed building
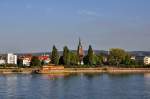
<point x="44" y="58"/>
<point x="26" y="59"/>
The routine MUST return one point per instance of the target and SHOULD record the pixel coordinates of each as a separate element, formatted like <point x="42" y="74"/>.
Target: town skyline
<point x="35" y="26"/>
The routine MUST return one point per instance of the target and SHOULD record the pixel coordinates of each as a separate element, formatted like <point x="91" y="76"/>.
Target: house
<point x="147" y="60"/>
<point x="143" y="60"/>
<point x="132" y="58"/>
<point x="26" y="59"/>
<point x="45" y="59"/>
<point x="2" y="60"/>
<point x="11" y="58"/>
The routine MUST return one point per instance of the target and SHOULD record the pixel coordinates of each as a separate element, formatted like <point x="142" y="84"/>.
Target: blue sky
<point x="35" y="25"/>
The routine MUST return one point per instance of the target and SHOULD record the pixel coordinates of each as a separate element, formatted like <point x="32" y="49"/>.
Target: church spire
<point x="80" y="52"/>
<point x="79" y="41"/>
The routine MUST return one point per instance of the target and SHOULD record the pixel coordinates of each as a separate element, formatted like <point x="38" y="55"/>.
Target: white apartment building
<point x="147" y="60"/>
<point x="11" y="58"/>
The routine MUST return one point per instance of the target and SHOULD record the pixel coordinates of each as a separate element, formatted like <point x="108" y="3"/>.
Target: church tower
<point x="80" y="53"/>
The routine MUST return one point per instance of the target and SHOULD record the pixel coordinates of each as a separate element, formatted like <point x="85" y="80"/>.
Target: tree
<point x="98" y="59"/>
<point x="128" y="61"/>
<point x="55" y="56"/>
<point x="61" y="60"/>
<point x="19" y="62"/>
<point x="35" y="61"/>
<point x="66" y="56"/>
<point x="95" y="59"/>
<point x="90" y="55"/>
<point x="42" y="63"/>
<point x="73" y="58"/>
<point x="85" y="60"/>
<point x="116" y="56"/>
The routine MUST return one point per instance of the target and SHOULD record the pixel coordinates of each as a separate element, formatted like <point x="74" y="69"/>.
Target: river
<point x="75" y="86"/>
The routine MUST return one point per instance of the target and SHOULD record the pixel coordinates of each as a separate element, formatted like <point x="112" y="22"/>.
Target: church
<point x="80" y="53"/>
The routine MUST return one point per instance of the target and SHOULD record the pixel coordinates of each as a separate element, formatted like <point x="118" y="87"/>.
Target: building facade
<point x="25" y="59"/>
<point x="2" y="60"/>
<point x="11" y="58"/>
<point x="147" y="60"/>
<point x="45" y="59"/>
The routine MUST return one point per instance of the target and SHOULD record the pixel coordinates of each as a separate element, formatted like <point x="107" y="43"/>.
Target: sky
<point x="37" y="25"/>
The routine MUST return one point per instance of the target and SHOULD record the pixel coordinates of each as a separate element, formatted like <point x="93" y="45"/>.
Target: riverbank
<point x="98" y="70"/>
<point x="107" y="70"/>
<point x="17" y="70"/>
<point x="75" y="70"/>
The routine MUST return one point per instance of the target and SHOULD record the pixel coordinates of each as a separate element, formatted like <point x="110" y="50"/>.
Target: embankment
<point x="107" y="70"/>
<point x="76" y="70"/>
<point x="17" y="70"/>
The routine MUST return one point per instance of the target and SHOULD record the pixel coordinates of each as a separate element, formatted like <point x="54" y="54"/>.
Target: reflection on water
<point x="75" y="86"/>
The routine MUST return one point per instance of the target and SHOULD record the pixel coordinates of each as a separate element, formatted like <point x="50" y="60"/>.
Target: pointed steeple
<point x="80" y="52"/>
<point x="79" y="41"/>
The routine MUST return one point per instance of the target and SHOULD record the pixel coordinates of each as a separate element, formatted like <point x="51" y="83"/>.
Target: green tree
<point x="95" y="59"/>
<point x="85" y="60"/>
<point x="128" y="61"/>
<point x="73" y="58"/>
<point x="55" y="56"/>
<point x="42" y="63"/>
<point x="66" y="56"/>
<point x="19" y="62"/>
<point x="90" y="55"/>
<point x="116" y="56"/>
<point x="61" y="60"/>
<point x="99" y="59"/>
<point x="35" y="61"/>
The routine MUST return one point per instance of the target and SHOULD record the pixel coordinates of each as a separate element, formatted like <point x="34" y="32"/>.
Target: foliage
<point x="19" y="62"/>
<point x="128" y="61"/>
<point x="85" y="60"/>
<point x="116" y="56"/>
<point x="66" y="56"/>
<point x="35" y="61"/>
<point x="42" y="63"/>
<point x="11" y="65"/>
<point x="90" y="55"/>
<point x="55" y="56"/>
<point x="73" y="58"/>
<point x="61" y="60"/>
<point x="99" y="60"/>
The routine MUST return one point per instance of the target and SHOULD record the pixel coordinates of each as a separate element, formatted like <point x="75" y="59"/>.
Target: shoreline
<point x="109" y="70"/>
<point x="75" y="70"/>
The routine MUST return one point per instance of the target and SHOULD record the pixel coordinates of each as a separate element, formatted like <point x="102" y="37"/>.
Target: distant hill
<point x="134" y="53"/>
<point x="140" y="53"/>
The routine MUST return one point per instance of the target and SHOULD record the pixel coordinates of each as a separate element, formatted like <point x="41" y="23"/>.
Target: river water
<point x="75" y="86"/>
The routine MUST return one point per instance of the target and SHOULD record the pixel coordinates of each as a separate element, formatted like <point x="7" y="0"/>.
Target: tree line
<point x="116" y="57"/>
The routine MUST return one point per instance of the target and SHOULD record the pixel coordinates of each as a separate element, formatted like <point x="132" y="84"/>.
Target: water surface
<point x="75" y="86"/>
